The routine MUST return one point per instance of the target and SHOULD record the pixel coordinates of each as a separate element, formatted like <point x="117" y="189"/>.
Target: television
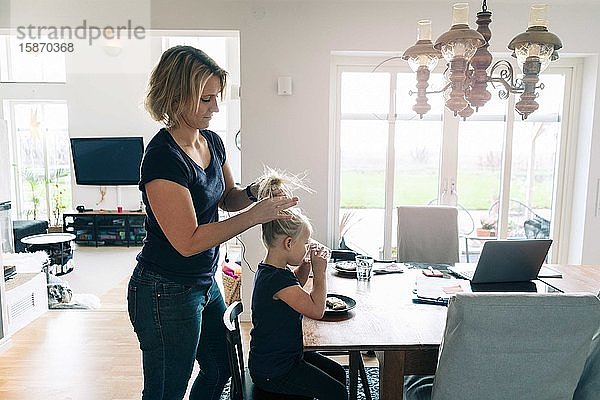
<point x="107" y="161"/>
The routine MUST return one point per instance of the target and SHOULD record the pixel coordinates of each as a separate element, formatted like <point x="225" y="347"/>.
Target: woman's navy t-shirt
<point x="276" y="336"/>
<point x="164" y="159"/>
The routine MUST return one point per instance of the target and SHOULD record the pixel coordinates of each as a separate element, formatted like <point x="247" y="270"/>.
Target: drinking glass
<point x="364" y="267"/>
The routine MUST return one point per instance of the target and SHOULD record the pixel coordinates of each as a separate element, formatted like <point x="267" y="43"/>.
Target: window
<point x="40" y="150"/>
<point x="38" y="130"/>
<point x="389" y="157"/>
<point x="19" y="65"/>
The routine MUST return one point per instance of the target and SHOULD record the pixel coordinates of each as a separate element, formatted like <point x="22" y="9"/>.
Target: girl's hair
<point x="177" y="82"/>
<point x="271" y="182"/>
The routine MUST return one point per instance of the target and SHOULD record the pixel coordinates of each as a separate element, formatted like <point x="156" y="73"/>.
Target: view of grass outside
<point x="363" y="190"/>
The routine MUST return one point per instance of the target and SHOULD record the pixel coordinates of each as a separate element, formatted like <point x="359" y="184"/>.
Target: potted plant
<point x="347" y="220"/>
<point x="58" y="200"/>
<point x="488" y="228"/>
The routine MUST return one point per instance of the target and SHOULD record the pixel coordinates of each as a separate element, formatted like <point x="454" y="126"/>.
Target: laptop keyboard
<point x="468" y="274"/>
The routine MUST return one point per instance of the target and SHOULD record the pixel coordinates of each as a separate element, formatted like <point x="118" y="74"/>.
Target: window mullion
<point x="46" y="167"/>
<point x="390" y="170"/>
<point x="333" y="215"/>
<point x="448" y="154"/>
<point x="505" y="178"/>
<point x="16" y="148"/>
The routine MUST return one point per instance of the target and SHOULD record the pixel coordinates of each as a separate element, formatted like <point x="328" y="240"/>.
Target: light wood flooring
<point x="78" y="355"/>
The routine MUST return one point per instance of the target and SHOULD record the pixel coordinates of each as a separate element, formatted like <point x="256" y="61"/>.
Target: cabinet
<point x="26" y="299"/>
<point x="106" y="228"/>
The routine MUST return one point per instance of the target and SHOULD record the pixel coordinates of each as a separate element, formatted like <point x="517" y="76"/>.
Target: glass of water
<point x="364" y="267"/>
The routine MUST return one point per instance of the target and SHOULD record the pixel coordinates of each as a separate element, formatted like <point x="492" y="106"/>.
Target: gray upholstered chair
<point x="516" y="346"/>
<point x="428" y="234"/>
<point x="588" y="387"/>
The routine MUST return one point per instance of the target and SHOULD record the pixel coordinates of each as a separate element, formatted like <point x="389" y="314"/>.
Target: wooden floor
<point x="74" y="354"/>
<point x="77" y="355"/>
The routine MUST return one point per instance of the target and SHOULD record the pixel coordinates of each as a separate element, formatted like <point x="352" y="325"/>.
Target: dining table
<point x="575" y="278"/>
<point x="405" y="335"/>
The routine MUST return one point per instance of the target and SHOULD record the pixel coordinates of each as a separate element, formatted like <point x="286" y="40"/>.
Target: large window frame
<point x="564" y="164"/>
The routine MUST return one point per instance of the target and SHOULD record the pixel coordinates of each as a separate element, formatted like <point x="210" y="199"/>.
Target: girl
<point x="277" y="361"/>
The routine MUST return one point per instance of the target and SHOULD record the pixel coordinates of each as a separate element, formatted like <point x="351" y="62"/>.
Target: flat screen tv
<point x="107" y="161"/>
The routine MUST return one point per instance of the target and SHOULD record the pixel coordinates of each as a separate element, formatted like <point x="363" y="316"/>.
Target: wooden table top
<point x="385" y="318"/>
<point x="576" y="278"/>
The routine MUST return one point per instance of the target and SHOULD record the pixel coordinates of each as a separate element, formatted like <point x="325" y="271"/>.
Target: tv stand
<point x="106" y="227"/>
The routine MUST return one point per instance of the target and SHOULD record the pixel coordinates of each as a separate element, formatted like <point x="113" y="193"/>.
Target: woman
<point x="174" y="304"/>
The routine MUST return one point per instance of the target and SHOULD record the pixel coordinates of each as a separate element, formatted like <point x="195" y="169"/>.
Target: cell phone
<point x="433" y="273"/>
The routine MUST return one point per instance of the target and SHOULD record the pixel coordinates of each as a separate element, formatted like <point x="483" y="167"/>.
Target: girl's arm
<point x="310" y="304"/>
<point x="172" y="206"/>
<point x="302" y="271"/>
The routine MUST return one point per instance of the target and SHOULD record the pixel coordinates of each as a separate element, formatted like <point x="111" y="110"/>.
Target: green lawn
<point x="476" y="191"/>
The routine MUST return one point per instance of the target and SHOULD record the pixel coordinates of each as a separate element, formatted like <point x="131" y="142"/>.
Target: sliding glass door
<point x="499" y="170"/>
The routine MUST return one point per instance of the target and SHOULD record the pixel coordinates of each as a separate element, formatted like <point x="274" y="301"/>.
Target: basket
<point x="231" y="288"/>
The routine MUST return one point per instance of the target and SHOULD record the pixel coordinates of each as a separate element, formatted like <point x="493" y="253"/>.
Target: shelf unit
<point x="106" y="228"/>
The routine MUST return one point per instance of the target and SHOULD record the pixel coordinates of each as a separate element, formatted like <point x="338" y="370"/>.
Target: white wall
<point x="296" y="38"/>
<point x="293" y="132"/>
<point x="107" y="105"/>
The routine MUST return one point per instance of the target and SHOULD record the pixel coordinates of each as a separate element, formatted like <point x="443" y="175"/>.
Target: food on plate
<point x="335" y="303"/>
<point x="346" y="266"/>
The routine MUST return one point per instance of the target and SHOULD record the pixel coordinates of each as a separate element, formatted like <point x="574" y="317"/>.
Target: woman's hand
<point x="267" y="210"/>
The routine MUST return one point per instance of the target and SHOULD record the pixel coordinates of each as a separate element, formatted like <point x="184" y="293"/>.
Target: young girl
<point x="277" y="361"/>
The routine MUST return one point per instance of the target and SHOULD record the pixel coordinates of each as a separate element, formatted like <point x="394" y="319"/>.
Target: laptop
<point x="507" y="261"/>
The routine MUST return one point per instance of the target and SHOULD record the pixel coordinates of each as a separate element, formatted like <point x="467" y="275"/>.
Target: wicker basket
<point x="231" y="287"/>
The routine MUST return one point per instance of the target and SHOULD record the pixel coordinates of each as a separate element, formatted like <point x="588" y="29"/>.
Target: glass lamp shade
<point x="543" y="51"/>
<point x="536" y="41"/>
<point x="460" y="14"/>
<point x="460" y="41"/>
<point x="424" y="30"/>
<point x="464" y="48"/>
<point x="538" y="15"/>
<point x="422" y="54"/>
<point x="428" y="60"/>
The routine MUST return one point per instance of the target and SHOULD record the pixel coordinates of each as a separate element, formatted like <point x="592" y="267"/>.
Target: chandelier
<point x="466" y="52"/>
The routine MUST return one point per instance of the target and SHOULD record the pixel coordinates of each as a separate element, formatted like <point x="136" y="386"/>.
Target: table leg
<point x="467" y="248"/>
<point x="353" y="376"/>
<point x="393" y="365"/>
<point x="391" y="374"/>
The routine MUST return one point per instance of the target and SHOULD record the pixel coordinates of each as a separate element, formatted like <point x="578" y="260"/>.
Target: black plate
<point x="343" y="271"/>
<point x="350" y="304"/>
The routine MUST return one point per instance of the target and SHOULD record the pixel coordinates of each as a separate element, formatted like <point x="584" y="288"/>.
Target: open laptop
<point x="507" y="261"/>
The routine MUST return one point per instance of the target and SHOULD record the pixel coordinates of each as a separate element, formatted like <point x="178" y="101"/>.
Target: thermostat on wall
<point x="284" y="86"/>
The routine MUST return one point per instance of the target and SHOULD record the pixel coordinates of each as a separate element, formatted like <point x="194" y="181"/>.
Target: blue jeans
<point x="315" y="376"/>
<point x="175" y="325"/>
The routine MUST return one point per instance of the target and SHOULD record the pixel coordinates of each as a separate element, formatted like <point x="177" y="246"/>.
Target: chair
<point x="536" y="228"/>
<point x="515" y="346"/>
<point x="428" y="234"/>
<point x="588" y="387"/>
<point x="242" y="387"/>
<point x="24" y="228"/>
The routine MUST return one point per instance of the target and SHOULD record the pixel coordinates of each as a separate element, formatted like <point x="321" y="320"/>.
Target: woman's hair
<point x="270" y="183"/>
<point x="177" y="82"/>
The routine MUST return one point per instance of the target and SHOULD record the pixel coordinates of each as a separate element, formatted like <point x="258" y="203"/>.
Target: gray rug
<point x="372" y="376"/>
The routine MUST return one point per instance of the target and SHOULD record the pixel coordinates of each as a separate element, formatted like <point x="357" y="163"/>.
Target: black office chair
<point x="242" y="387"/>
